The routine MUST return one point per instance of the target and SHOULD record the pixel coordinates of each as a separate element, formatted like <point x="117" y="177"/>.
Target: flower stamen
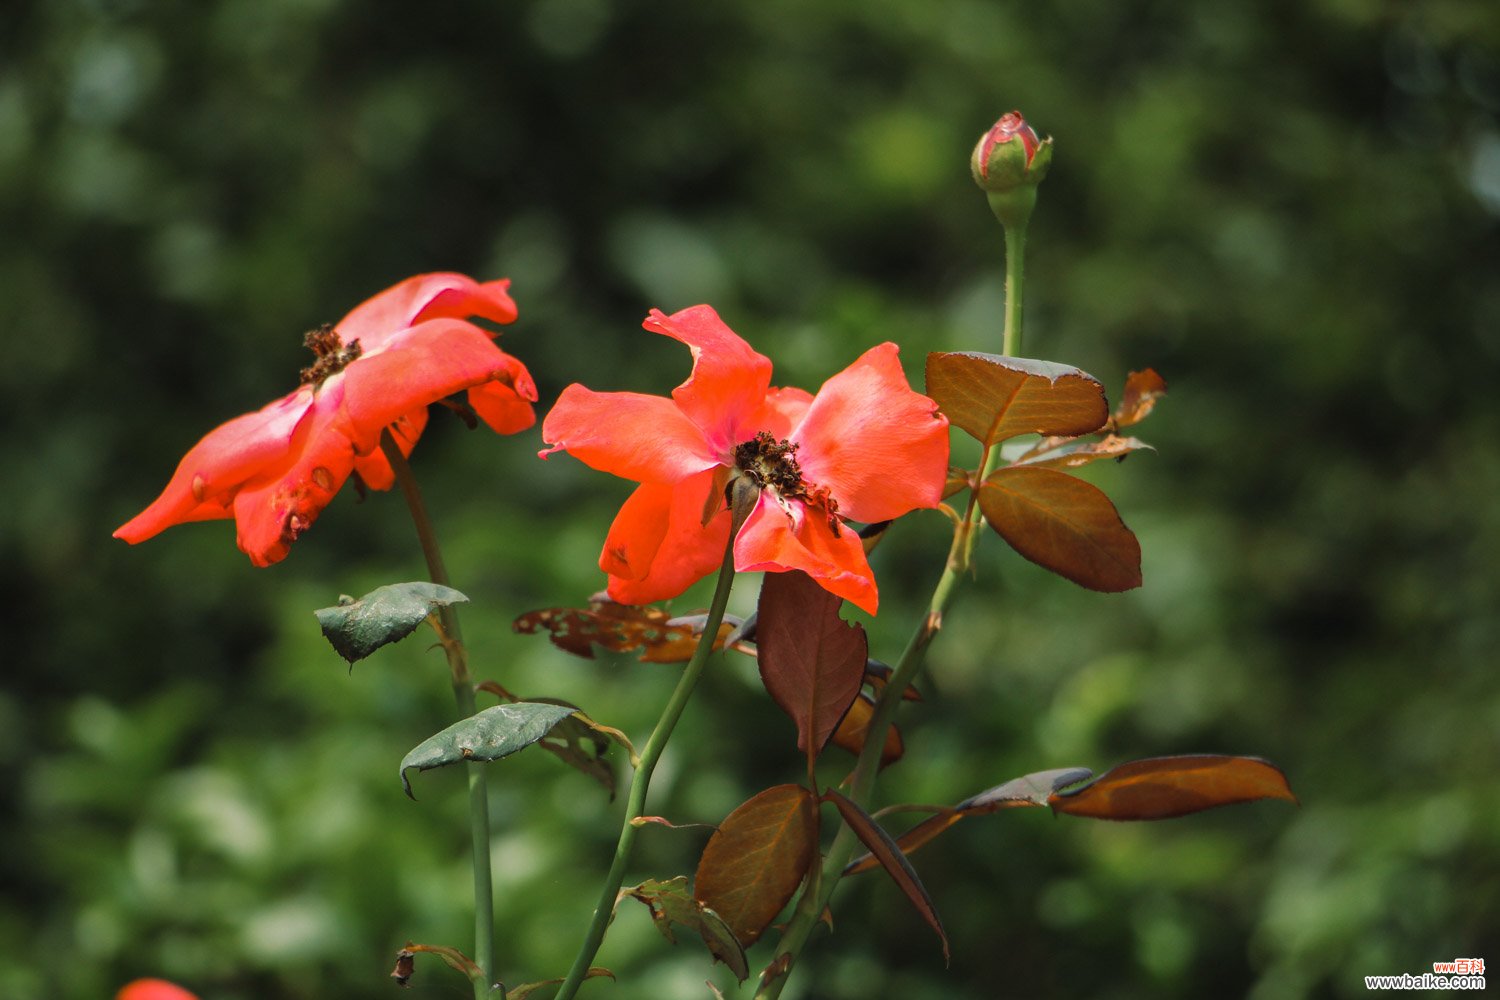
<point x="772" y="464"/>
<point x="333" y="355"/>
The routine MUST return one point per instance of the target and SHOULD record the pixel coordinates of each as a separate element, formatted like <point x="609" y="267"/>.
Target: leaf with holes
<point x="757" y="858"/>
<point x="489" y="735"/>
<point x="671" y="903"/>
<point x="994" y="397"/>
<point x="811" y="660"/>
<point x="357" y="628"/>
<point x="1167" y="787"/>
<point x="1028" y="790"/>
<point x="891" y="859"/>
<point x="1142" y="390"/>
<point x="855" y="726"/>
<point x="1063" y="524"/>
<point x="620" y="628"/>
<point x="1070" y="453"/>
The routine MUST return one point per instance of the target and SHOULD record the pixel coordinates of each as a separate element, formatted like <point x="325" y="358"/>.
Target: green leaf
<point x="358" y="628"/>
<point x="994" y="397"/>
<point x="494" y="733"/>
<point x="671" y="903"/>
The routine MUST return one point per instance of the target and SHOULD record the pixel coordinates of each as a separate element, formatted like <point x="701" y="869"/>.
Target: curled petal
<point x="776" y="538"/>
<point x="729" y="378"/>
<point x="659" y="546"/>
<point x="419" y="366"/>
<point x="504" y="402"/>
<point x="442" y="295"/>
<point x="879" y="447"/>
<point x="634" y="436"/>
<point x="213" y="469"/>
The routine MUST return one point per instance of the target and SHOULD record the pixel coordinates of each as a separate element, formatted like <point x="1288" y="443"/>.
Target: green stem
<point x="1015" y="258"/>
<point x="816" y="897"/>
<point x="463" y="694"/>
<point x="635" y="804"/>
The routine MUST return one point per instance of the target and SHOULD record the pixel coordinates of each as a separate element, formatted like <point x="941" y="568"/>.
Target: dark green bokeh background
<point x="1290" y="211"/>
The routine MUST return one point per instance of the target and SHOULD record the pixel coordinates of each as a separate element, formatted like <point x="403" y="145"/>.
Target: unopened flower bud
<point x="1009" y="161"/>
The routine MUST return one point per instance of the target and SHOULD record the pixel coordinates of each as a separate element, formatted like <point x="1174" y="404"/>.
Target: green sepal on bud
<point x="1009" y="162"/>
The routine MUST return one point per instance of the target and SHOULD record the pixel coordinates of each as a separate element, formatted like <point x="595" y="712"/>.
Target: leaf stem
<point x="463" y="694"/>
<point x="635" y="804"/>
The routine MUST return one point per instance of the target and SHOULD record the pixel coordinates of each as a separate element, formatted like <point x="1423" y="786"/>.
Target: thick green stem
<point x="463" y="694"/>
<point x="635" y="804"/>
<point x="816" y="897"/>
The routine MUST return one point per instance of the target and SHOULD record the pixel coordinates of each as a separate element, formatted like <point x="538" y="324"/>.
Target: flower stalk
<point x="463" y="694"/>
<point x="821" y="886"/>
<point x="640" y="783"/>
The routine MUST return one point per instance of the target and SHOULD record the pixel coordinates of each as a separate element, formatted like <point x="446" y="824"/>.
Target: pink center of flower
<point x="333" y="355"/>
<point x="772" y="465"/>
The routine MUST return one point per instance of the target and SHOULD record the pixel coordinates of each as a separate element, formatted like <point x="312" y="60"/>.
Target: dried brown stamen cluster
<point x="772" y="464"/>
<point x="333" y="355"/>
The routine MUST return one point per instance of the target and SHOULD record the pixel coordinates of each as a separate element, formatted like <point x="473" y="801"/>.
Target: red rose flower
<point x="153" y="989"/>
<point x="866" y="448"/>
<point x="275" y="470"/>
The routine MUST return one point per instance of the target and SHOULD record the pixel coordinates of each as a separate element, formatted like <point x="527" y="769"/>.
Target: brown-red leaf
<point x="1070" y="453"/>
<point x="1142" y="390"/>
<point x="1028" y="790"/>
<point x="855" y="725"/>
<point x="1063" y="524"/>
<point x="880" y="844"/>
<point x="811" y="660"/>
<point x="757" y="858"/>
<point x="1164" y="787"/>
<point x="619" y="628"/>
<point x="994" y="397"/>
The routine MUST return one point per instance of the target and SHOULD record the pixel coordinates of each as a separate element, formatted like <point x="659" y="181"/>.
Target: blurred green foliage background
<point x="1291" y="210"/>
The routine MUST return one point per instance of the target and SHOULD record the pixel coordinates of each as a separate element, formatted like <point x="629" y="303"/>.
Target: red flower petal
<point x="781" y="410"/>
<point x="419" y="366"/>
<point x="374" y="470"/>
<point x="634" y="436"/>
<point x="214" y="468"/>
<point x="153" y="989"/>
<point x="272" y="510"/>
<point x="505" y="403"/>
<point x="658" y="545"/>
<point x="879" y="447"/>
<point x="729" y="379"/>
<point x="423" y="297"/>
<point x="774" y="539"/>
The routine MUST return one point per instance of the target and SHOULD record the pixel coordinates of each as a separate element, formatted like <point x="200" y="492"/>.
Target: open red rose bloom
<point x="275" y="470"/>
<point x="866" y="448"/>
